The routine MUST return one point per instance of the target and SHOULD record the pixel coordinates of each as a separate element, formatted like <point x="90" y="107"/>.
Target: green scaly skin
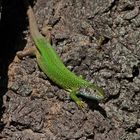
<point x="51" y="64"/>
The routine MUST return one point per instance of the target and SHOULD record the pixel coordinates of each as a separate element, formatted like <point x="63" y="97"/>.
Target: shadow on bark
<point x="12" y="24"/>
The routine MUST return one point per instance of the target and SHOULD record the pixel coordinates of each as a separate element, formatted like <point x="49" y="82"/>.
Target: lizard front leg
<point x="79" y="102"/>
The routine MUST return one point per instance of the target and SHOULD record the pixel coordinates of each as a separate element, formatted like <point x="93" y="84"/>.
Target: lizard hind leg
<point x="46" y="31"/>
<point x="29" y="52"/>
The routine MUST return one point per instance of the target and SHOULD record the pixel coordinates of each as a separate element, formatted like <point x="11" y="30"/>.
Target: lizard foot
<point x="30" y="51"/>
<point x="80" y="104"/>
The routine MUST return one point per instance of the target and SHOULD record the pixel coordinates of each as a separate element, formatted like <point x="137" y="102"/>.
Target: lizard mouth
<point x="91" y="93"/>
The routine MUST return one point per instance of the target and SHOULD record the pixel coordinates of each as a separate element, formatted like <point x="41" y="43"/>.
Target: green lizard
<point x="51" y="64"/>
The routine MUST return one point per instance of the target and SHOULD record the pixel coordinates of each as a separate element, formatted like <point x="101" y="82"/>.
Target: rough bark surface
<point x="32" y="107"/>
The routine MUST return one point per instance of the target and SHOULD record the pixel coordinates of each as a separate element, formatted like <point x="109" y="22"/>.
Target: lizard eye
<point x="94" y="90"/>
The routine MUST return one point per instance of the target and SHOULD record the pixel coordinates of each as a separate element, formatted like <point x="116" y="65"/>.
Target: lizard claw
<point x="80" y="104"/>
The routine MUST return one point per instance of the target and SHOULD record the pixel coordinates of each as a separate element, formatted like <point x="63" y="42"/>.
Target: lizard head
<point x="92" y="92"/>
